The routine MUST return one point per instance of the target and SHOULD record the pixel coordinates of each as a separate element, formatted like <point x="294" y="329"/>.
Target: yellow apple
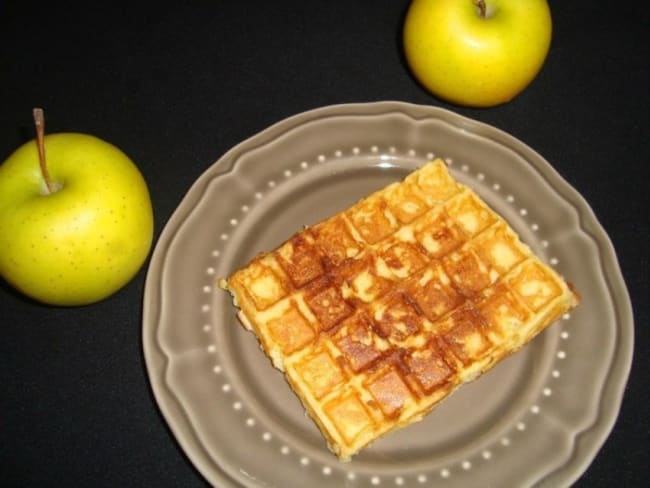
<point x="477" y="53"/>
<point x="83" y="238"/>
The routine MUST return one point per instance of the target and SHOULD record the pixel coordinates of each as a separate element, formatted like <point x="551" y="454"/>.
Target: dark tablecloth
<point x="175" y="85"/>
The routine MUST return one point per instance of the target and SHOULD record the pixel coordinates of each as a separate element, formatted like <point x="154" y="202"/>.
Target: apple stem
<point x="39" y="122"/>
<point x="482" y="9"/>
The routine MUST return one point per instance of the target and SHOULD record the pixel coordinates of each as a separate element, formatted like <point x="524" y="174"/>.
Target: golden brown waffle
<point x="378" y="313"/>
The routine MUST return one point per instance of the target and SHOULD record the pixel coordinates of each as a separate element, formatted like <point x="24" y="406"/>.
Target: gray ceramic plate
<point x="538" y="418"/>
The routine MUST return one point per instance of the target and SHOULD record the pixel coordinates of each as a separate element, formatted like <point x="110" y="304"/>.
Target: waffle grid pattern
<point x="379" y="312"/>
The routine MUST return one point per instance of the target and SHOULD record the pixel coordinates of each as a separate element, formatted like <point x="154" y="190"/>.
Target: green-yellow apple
<point x="83" y="238"/>
<point x="477" y="53"/>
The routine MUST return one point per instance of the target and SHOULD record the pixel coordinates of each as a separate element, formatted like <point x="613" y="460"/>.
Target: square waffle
<point x="378" y="313"/>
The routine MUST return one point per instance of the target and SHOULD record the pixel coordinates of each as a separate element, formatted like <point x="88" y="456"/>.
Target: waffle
<point x="379" y="312"/>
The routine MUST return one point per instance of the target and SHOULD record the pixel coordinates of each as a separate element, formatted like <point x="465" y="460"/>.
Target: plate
<point x="538" y="418"/>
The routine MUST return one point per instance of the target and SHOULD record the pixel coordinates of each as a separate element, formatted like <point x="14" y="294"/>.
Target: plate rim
<point x="583" y="452"/>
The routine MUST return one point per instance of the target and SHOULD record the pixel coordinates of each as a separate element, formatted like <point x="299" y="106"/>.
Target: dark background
<point x="175" y="85"/>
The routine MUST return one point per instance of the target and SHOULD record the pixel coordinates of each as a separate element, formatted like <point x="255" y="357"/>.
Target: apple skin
<point x="469" y="60"/>
<point x="82" y="243"/>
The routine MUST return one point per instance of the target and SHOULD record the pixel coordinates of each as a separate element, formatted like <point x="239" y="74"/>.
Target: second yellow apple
<point x="476" y="53"/>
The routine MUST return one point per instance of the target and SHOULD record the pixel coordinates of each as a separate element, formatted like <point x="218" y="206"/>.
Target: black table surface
<point x="175" y="85"/>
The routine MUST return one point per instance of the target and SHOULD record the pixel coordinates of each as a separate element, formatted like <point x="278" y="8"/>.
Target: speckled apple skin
<point x="479" y="62"/>
<point x="83" y="242"/>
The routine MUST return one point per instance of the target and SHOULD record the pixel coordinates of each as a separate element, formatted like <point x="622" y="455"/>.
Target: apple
<point x="76" y="221"/>
<point x="478" y="53"/>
